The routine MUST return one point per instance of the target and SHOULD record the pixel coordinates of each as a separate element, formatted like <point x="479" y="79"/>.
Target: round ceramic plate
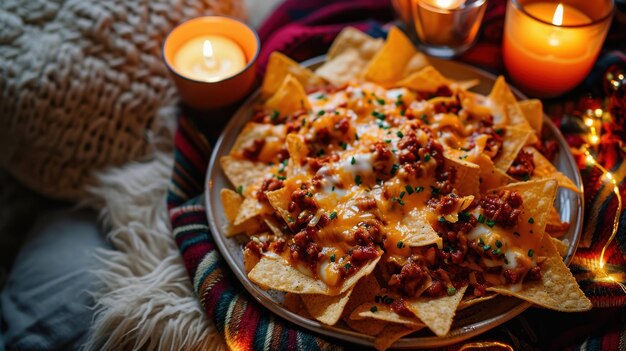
<point x="469" y="322"/>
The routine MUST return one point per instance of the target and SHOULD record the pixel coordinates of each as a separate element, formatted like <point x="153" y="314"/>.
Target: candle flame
<point x="557" y="20"/>
<point x="449" y="4"/>
<point x="207" y="52"/>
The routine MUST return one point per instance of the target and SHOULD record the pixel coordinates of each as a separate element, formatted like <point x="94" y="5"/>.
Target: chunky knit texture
<point x="81" y="83"/>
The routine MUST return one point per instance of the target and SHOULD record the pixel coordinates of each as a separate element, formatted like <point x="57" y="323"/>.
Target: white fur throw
<point x="147" y="302"/>
<point x="81" y="82"/>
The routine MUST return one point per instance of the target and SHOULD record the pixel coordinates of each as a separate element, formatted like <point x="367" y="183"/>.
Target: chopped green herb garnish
<point x="401" y="202"/>
<point x="333" y="188"/>
<point x="352" y="160"/>
<point x="290" y="219"/>
<point x="394" y="169"/>
<point x="402" y="193"/>
<point x="442" y="219"/>
<point x="481" y="218"/>
<point x="387" y="300"/>
<point x="279" y="177"/>
<point x="516" y="233"/>
<point x="426" y="157"/>
<point x="388" y="141"/>
<point x="380" y="101"/>
<point x="332" y="258"/>
<point x="347" y="265"/>
<point x="424" y="118"/>
<point x="464" y="216"/>
<point x="357" y="180"/>
<point x="419" y="189"/>
<point x="531" y="220"/>
<point x="402" y="112"/>
<point x="500" y="131"/>
<point x="321" y="96"/>
<point x="498" y="243"/>
<point x="435" y="191"/>
<point x="378" y="115"/>
<point x="343" y="145"/>
<point x="333" y="215"/>
<point x="399" y="134"/>
<point x="463" y="157"/>
<point x="451" y="291"/>
<point x="400" y="244"/>
<point x="531" y="253"/>
<point x="320" y="153"/>
<point x="487" y="247"/>
<point x="321" y="112"/>
<point x="481" y="242"/>
<point x="496" y="252"/>
<point x="275" y="115"/>
<point x="409" y="189"/>
<point x="304" y="122"/>
<point x="491" y="223"/>
<point x="526" y="177"/>
<point x="240" y="189"/>
<point x="373" y="309"/>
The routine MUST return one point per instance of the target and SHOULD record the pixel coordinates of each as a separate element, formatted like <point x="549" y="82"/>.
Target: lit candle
<point x="447" y="27"/>
<point x="212" y="60"/>
<point x="549" y="48"/>
<point x="446" y="4"/>
<point x="209" y="58"/>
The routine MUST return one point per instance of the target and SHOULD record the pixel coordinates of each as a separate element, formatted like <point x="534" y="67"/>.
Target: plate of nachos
<point x="392" y="200"/>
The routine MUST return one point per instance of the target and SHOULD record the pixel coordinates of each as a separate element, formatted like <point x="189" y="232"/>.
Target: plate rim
<point x="345" y="335"/>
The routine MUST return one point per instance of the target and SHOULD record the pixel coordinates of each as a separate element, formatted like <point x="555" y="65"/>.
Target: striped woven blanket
<point x="305" y="29"/>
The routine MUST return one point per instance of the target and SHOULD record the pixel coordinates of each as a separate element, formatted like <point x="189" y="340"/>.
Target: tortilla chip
<point x="389" y="64"/>
<point x="417" y="229"/>
<point x="514" y="140"/>
<point x="348" y="56"/>
<point x="557" y="289"/>
<point x="467" y="180"/>
<point x="289" y="98"/>
<point x="278" y="67"/>
<point x="538" y="198"/>
<point x="545" y="169"/>
<point x="391" y="334"/>
<point x="474" y="300"/>
<point x="326" y="309"/>
<point x="277" y="274"/>
<point x="297" y="152"/>
<point x="383" y="312"/>
<point x="274" y="273"/>
<point x="533" y="111"/>
<point x="254" y="131"/>
<point x="555" y="227"/>
<point x="243" y="172"/>
<point x="250" y="259"/>
<point x="561" y="246"/>
<point x="506" y="109"/>
<point x="231" y="201"/>
<point x="428" y="79"/>
<point x="364" y="291"/>
<point x="293" y="303"/>
<point x="249" y="209"/>
<point x="490" y="176"/>
<point x="437" y="313"/>
<point x="279" y="200"/>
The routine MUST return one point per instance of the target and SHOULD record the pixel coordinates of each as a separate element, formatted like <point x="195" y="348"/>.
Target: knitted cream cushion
<point x="81" y="82"/>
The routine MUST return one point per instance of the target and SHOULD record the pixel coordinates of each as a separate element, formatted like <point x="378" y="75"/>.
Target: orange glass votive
<point x="212" y="60"/>
<point x="550" y="47"/>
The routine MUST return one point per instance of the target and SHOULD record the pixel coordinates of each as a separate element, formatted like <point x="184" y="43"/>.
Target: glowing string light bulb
<point x="594" y="139"/>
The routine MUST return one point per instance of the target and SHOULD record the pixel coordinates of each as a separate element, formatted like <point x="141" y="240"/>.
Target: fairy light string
<point x="593" y="121"/>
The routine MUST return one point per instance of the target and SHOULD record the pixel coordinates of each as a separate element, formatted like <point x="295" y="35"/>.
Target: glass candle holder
<point x="550" y="47"/>
<point x="446" y="28"/>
